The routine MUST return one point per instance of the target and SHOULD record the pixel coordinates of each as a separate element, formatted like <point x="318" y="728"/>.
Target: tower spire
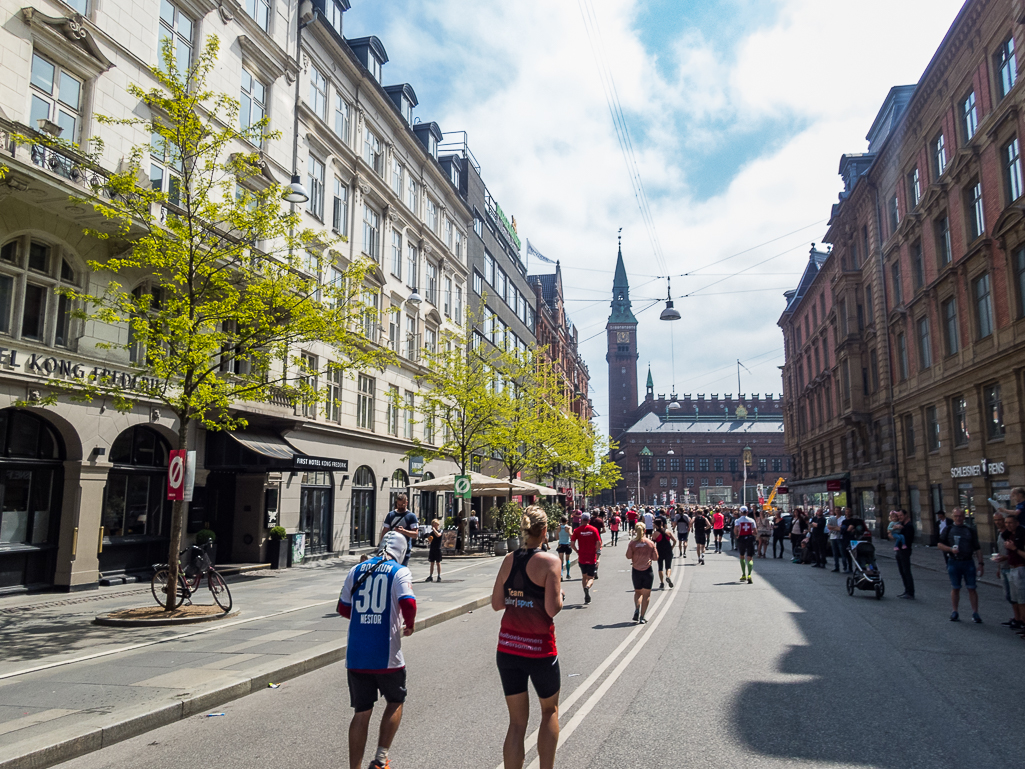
<point x="621" y="312"/>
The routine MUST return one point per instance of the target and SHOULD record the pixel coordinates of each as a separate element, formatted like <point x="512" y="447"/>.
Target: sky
<point x="738" y="112"/>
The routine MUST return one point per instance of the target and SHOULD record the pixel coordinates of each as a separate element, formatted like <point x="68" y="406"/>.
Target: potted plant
<point x="277" y="548"/>
<point x="511" y="516"/>
<point x="207" y="539"/>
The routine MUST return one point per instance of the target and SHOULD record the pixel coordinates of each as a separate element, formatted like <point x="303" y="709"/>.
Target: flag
<point x="531" y="251"/>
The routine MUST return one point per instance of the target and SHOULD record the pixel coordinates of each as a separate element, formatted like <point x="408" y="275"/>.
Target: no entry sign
<point x="181" y="475"/>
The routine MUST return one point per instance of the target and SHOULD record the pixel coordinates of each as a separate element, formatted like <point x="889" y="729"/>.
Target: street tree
<point x="232" y="285"/>
<point x="597" y="471"/>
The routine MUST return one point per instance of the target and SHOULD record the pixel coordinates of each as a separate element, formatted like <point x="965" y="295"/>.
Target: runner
<point x="718" y="524"/>
<point x="649" y="522"/>
<point x="746" y="530"/>
<point x="377" y="599"/>
<point x="586" y="542"/>
<point x="631" y="519"/>
<point x="434" y="553"/>
<point x="664" y="545"/>
<point x="641" y="551"/>
<point x="614" y="521"/>
<point x="701" y="527"/>
<point x="564" y="550"/>
<point x="528" y="589"/>
<point x="682" y="521"/>
<point x="404" y="522"/>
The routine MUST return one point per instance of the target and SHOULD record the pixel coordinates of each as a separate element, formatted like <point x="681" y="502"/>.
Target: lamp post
<point x="296" y="193"/>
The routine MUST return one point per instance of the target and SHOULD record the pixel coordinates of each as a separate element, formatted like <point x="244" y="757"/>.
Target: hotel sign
<point x="52" y="366"/>
<point x="303" y="462"/>
<point x="985" y="468"/>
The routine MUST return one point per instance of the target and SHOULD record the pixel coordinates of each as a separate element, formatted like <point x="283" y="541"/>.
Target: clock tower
<point x="621" y="335"/>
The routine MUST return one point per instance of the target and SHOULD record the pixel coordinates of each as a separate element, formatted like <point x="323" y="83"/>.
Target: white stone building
<point x="83" y="487"/>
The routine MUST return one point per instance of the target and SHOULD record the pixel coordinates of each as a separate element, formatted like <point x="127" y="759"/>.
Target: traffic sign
<point x="176" y="475"/>
<point x="462" y="487"/>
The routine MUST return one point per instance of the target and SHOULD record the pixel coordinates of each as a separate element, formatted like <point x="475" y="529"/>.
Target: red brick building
<point x="924" y="291"/>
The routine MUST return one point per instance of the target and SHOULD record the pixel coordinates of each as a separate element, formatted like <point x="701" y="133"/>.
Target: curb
<point x="86" y="738"/>
<point x="109" y="621"/>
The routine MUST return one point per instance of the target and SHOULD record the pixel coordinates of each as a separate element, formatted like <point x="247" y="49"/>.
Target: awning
<point x="266" y="444"/>
<point x="256" y="450"/>
<point x="819" y="484"/>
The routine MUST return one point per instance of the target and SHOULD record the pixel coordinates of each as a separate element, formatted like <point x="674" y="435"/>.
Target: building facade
<point x="83" y="485"/>
<point x="927" y="278"/>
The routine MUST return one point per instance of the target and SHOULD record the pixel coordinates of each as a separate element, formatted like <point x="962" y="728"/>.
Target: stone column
<point x="82" y="509"/>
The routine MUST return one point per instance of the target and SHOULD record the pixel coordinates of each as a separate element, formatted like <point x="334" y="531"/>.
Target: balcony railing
<point x="59" y="161"/>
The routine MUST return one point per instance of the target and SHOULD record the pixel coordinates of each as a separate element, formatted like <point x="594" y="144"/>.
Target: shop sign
<point x="834" y="485"/>
<point x="41" y="364"/>
<point x="303" y="462"/>
<point x="985" y="468"/>
<point x="508" y="227"/>
<point x="416" y="466"/>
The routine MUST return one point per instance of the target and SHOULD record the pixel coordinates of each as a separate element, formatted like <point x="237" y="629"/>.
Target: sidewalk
<point x="68" y="686"/>
<point x="931" y="558"/>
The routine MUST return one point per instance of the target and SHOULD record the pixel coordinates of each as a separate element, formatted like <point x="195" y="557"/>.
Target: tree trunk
<point x="177" y="525"/>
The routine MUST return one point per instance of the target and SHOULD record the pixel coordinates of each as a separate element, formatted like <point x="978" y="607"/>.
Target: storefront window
<point x="966" y="500"/>
<point x="135" y="497"/>
<point x="363" y="504"/>
<point x="315" y="506"/>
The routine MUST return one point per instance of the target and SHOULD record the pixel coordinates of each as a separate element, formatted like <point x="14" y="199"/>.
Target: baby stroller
<point x="866" y="574"/>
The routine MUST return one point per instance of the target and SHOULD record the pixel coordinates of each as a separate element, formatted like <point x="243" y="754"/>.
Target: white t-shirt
<point x="746" y="527"/>
<point x="682" y="523"/>
<point x="649" y="521"/>
<point x="833" y="521"/>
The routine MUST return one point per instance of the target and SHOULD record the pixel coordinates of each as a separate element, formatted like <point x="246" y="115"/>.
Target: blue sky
<point x="738" y="109"/>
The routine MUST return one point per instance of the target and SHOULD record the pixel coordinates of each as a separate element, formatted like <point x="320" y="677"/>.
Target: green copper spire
<point x="621" y="312"/>
<point x="650" y="384"/>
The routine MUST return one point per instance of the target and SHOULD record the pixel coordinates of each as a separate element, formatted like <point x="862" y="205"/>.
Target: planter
<point x="513" y="543"/>
<point x="277" y="553"/>
<point x="500" y="547"/>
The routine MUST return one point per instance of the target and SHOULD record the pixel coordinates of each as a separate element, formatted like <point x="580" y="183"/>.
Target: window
<point x="458" y="309"/>
<point x="1019" y="279"/>
<point x="763" y="465"/>
<point x="394" y="322"/>
<point x="343" y="117"/>
<point x="449" y="229"/>
<point x="259" y="11"/>
<point x="898" y="288"/>
<point x="375" y="66"/>
<point x="873" y="362"/>
<point x="959" y="413"/>
<point x="777" y="465"/>
<point x="334" y="393"/>
<point x="446" y="299"/>
<point x="1006" y="66"/>
<point x="365" y="402"/>
<point x="309" y="380"/>
<point x="718" y="464"/>
<point x="372" y="153"/>
<point x="924" y="343"/>
<point x="917" y="265"/>
<point x="951" y="338"/>
<point x="430" y="430"/>
<point x="412" y="339"/>
<point x="688" y="465"/>
<point x="318" y="93"/>
<point x="902" y="357"/>
<point x="413" y="195"/>
<point x="894" y="214"/>
<point x="703" y="465"/>
<point x="412" y="263"/>
<point x="975" y="216"/>
<point x="969" y="117"/>
<point x="983" y="305"/>
<point x="56" y="96"/>
<point x="371" y="233"/>
<point x="674" y="464"/>
<point x="489" y="268"/>
<point x="408" y="422"/>
<point x="994" y="412"/>
<point x="704" y="482"/>
<point x="457" y="247"/>
<point x="501" y="285"/>
<point x="869" y="305"/>
<point x="432" y="215"/>
<point x="932" y="428"/>
<point x="431" y="340"/>
<point x="253" y="101"/>
<point x="478" y="224"/>
<point x="315" y="178"/>
<point x="396" y="254"/>
<point x="165" y="169"/>
<point x="391" y="418"/>
<point x="660" y="464"/>
<point x="943" y="246"/>
<point x="178" y="28"/>
<point x="340" y="209"/>
<point x="29" y="309"/>
<point x="478" y="283"/>
<point x="939" y="154"/>
<point x="396" y="177"/>
<point x="914" y="187"/>
<point x="371" y="312"/>
<point x="645" y="464"/>
<point x="335" y="9"/>
<point x="431" y="282"/>
<point x="1012" y="171"/>
<point x="909" y="435"/>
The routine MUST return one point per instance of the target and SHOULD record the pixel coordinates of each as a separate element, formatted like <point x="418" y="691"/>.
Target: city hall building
<point x="83" y="487"/>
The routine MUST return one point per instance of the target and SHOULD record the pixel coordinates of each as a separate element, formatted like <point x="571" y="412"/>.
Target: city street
<point x="787" y="671"/>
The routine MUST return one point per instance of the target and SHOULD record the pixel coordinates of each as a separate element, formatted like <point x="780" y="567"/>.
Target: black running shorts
<point x="700" y="539"/>
<point x="665" y="562"/>
<point x="643" y="580"/>
<point x="363" y="688"/>
<point x="746" y="546"/>
<point x="588" y="569"/>
<point x="542" y="672"/>
<point x="564" y="549"/>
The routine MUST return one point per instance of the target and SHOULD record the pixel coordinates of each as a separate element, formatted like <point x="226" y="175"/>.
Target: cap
<point x="394" y="545"/>
<point x="743" y="508"/>
<point x="585" y="517"/>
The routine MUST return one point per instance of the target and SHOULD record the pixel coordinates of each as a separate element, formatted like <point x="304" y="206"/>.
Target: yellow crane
<point x="772" y="495"/>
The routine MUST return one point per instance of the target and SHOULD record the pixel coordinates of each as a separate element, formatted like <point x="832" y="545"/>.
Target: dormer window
<point x="407" y="110"/>
<point x="335" y="9"/>
<point x="370" y="51"/>
<point x="375" y="67"/>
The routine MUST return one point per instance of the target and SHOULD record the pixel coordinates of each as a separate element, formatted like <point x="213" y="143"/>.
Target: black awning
<point x="262" y="451"/>
<point x="266" y="444"/>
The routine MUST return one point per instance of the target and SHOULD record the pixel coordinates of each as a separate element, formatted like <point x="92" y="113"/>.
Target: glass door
<point x="315" y="518"/>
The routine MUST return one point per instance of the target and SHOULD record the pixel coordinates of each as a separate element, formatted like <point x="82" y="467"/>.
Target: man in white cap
<point x="377" y="599"/>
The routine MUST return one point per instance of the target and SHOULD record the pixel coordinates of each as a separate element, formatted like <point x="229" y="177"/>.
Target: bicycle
<point x="190" y="575"/>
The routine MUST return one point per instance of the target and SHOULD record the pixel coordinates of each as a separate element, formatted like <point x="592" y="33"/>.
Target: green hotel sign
<point x="508" y="226"/>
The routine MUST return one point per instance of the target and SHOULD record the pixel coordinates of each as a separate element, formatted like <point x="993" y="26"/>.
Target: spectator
<point x="1017" y="503"/>
<point x="780" y="530"/>
<point x="942" y="522"/>
<point x="1000" y="559"/>
<point x="797" y="532"/>
<point x="819" y="540"/>
<point x="961" y="544"/>
<point x="841" y="522"/>
<point x="903" y="537"/>
<point x="1013" y="539"/>
<point x="835" y="543"/>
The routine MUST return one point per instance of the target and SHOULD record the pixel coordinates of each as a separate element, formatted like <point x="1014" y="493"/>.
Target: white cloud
<point x="522" y="81"/>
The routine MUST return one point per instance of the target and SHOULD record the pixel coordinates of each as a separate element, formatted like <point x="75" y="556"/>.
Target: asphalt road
<point x="789" y="671"/>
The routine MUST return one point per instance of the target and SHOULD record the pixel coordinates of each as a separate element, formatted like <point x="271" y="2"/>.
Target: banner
<point x="176" y="475"/>
<point x="531" y="251"/>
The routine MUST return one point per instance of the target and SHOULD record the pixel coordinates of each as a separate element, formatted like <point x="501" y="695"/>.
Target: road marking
<point x="581" y="690"/>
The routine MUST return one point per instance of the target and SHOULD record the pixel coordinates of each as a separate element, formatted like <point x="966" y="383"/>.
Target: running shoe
<point x="954" y="617"/>
<point x="429" y="579"/>
<point x="637" y="614"/>
<point x="669" y="581"/>
<point x="642" y="621"/>
<point x="750" y="581"/>
<point x="743" y="578"/>
<point x="661" y="585"/>
<point x="976" y="618"/>
<point x="375" y="764"/>
<point x="587" y="595"/>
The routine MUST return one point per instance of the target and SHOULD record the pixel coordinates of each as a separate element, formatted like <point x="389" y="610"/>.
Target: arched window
<point x="30" y="273"/>
<point x="135" y="501"/>
<point x="364" y="497"/>
<point x="31" y="481"/>
<point x="399" y="486"/>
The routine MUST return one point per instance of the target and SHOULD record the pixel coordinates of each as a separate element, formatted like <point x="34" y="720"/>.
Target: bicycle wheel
<point x="158" y="586"/>
<point x="220" y="591"/>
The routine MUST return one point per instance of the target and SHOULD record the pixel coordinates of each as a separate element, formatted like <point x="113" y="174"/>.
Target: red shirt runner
<point x="587" y="539"/>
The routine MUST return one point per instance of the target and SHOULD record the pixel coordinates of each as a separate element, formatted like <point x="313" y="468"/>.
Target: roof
<point x="816" y="259"/>
<point x="653" y="424"/>
<point x="373" y="43"/>
<point x="549" y="283"/>
<point x="403" y="88"/>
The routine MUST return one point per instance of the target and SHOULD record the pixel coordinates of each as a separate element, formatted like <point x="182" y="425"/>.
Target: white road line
<point x="600" y="692"/>
<point x="581" y="690"/>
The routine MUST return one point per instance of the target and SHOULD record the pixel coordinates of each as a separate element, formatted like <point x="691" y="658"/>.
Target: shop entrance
<point x="364" y="499"/>
<point x="315" y="506"/>
<point x="31" y="486"/>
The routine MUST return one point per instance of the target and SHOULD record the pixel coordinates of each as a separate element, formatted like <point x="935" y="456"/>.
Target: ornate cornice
<point x="67" y="37"/>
